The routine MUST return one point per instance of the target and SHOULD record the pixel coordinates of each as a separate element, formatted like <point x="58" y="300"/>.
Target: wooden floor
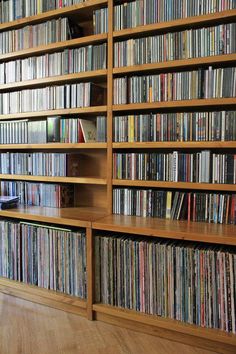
<point x="28" y="328"/>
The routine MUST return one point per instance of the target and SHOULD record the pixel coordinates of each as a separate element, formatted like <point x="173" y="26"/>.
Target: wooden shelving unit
<point x="94" y="210"/>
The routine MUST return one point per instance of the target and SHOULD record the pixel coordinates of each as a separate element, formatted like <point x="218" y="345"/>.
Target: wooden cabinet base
<point x="45" y="297"/>
<point x="209" y="339"/>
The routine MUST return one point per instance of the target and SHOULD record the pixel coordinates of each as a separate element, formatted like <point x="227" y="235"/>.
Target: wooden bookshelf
<point x="82" y="9"/>
<point x="177" y="145"/>
<point x="164" y="228"/>
<point x="174" y="185"/>
<point x="177" y="25"/>
<point x="55" y="112"/>
<point x="95" y="185"/>
<point x="71" y="217"/>
<point x="210" y="103"/>
<point x="76" y="180"/>
<point x="95" y="76"/>
<point x="54" y="146"/>
<point x="54" y="47"/>
<point x="177" y="64"/>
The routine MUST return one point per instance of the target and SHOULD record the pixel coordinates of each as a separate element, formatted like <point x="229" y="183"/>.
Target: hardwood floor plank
<point x="28" y="328"/>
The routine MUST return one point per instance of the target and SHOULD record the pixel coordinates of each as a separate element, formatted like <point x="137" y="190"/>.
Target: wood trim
<point x="211" y="339"/>
<point x="175" y="185"/>
<point x="42" y="296"/>
<point x="74" y="216"/>
<point x="45" y="16"/>
<point x="175" y="25"/>
<point x="54" y="146"/>
<point x="52" y="80"/>
<point x="176" y="64"/>
<point x="172" y="229"/>
<point x="196" y="103"/>
<point x="55" y="112"/>
<point x="54" y="47"/>
<point x="177" y="145"/>
<point x="75" y="180"/>
<point x="90" y="273"/>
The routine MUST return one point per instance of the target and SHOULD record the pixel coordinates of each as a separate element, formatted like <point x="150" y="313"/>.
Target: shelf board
<point x="173" y="229"/>
<point x="177" y="145"/>
<point x="43" y="296"/>
<point x="175" y="185"/>
<point x="55" y="112"/>
<point x="75" y="180"/>
<point x="196" y="103"/>
<point x="79" y="9"/>
<point x="54" y="47"/>
<point x="176" y="64"/>
<point x="161" y="326"/>
<point x="176" y="25"/>
<point x="60" y="79"/>
<point x="74" y="216"/>
<point x="53" y="146"/>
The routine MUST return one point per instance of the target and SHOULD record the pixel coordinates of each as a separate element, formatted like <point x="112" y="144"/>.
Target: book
<point x="53" y="129"/>
<point x="89" y="130"/>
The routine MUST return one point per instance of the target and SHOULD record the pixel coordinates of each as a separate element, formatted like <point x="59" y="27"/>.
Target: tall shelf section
<point x="116" y="238"/>
<point x="94" y="184"/>
<point x="89" y="181"/>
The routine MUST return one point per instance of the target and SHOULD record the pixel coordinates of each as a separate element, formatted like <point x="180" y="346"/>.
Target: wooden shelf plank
<point x="55" y="112"/>
<point x="173" y="229"/>
<point x="177" y="145"/>
<point x="54" y="47"/>
<point x="198" y="103"/>
<point x="175" y="185"/>
<point x="80" y="8"/>
<point x="176" y="64"/>
<point x="46" y="297"/>
<point x="75" y="180"/>
<point x="175" y="25"/>
<point x="75" y="216"/>
<point x="218" y="336"/>
<point x="60" y="79"/>
<point x="54" y="146"/>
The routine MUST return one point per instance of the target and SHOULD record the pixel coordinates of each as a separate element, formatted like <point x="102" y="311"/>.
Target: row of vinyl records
<point x="70" y="61"/>
<point x="143" y="12"/>
<point x="52" y="31"/>
<point x="40" y="194"/>
<point x="48" y="257"/>
<point x="193" y="43"/>
<point x="40" y="164"/>
<point x="190" y="282"/>
<point x="198" y="167"/>
<point x="197" y="84"/>
<point x="184" y="126"/>
<point x="11" y="10"/>
<point x="84" y="94"/>
<point x="191" y="206"/>
<point x="53" y="130"/>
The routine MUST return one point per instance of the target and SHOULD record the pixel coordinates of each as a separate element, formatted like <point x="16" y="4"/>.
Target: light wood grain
<point x="29" y="328"/>
<point x="177" y="145"/>
<point x="60" y="79"/>
<point x="80" y="216"/>
<point x="177" y="25"/>
<point x="164" y="228"/>
<point x="54" y="146"/>
<point x="75" y="180"/>
<point x="55" y="112"/>
<point x="194" y="104"/>
<point x="177" y="64"/>
<point x="175" y="185"/>
<point x="171" y="329"/>
<point x="80" y="8"/>
<point x="54" y="47"/>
